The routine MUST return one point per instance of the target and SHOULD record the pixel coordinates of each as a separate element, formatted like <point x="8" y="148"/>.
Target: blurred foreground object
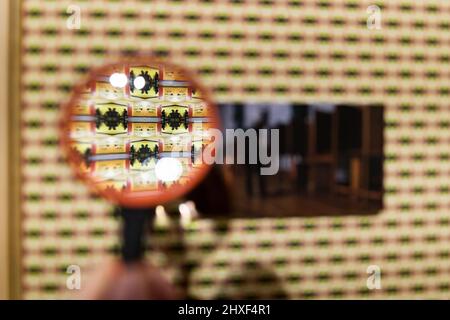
<point x="116" y="280"/>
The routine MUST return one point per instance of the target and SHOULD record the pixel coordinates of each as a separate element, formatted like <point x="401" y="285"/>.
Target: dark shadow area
<point x="330" y="163"/>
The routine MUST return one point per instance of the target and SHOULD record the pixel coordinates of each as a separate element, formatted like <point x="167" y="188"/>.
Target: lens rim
<point x="132" y="199"/>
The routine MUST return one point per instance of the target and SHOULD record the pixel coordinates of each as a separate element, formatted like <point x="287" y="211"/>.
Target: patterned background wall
<point x="283" y="50"/>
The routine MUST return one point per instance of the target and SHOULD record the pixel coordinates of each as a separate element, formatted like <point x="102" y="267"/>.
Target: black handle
<point x="133" y="232"/>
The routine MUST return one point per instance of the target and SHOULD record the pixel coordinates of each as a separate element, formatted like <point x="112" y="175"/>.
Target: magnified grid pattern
<point x="290" y="50"/>
<point x="137" y="131"/>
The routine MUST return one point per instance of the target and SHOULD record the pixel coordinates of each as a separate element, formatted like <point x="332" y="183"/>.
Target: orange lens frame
<point x="171" y="101"/>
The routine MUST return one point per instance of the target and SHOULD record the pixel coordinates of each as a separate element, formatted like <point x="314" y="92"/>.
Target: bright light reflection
<point x="168" y="169"/>
<point x="118" y="80"/>
<point x="139" y="82"/>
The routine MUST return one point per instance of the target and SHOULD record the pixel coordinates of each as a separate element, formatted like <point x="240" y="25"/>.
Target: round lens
<point x="136" y="131"/>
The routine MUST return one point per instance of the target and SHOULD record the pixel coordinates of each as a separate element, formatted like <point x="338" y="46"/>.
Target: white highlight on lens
<point x="139" y="82"/>
<point x="168" y="169"/>
<point x="118" y="80"/>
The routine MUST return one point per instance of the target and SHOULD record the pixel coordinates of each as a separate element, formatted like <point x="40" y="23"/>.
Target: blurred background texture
<point x="280" y="51"/>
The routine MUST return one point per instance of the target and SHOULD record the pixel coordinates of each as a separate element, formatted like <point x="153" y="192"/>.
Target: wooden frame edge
<point x="14" y="175"/>
<point x="4" y="158"/>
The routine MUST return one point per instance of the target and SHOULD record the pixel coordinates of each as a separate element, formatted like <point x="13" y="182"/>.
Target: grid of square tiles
<point x="301" y="51"/>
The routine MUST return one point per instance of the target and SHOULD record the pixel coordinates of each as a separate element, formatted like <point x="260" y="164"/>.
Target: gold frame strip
<point x="4" y="158"/>
<point x="14" y="129"/>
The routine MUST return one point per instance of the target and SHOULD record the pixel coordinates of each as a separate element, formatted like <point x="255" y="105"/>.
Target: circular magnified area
<point x="136" y="131"/>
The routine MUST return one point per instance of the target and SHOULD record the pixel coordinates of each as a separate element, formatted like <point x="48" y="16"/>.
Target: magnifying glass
<point x="135" y="132"/>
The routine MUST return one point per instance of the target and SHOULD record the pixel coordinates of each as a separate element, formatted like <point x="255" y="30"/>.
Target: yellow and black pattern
<point x="292" y="50"/>
<point x="125" y="120"/>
